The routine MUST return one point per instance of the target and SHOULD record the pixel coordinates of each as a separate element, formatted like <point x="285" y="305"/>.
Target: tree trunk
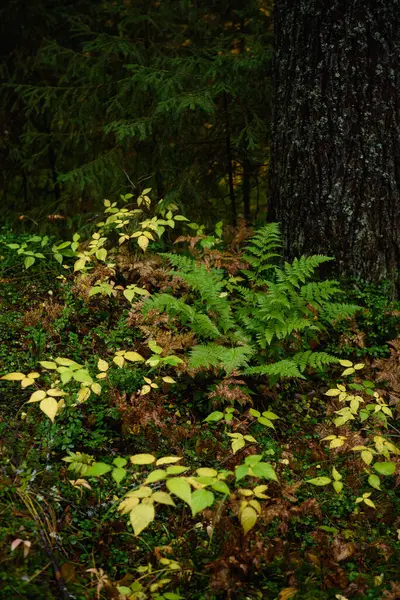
<point x="335" y="152"/>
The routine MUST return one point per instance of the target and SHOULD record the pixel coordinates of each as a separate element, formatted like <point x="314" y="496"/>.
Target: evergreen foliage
<point x="174" y="93"/>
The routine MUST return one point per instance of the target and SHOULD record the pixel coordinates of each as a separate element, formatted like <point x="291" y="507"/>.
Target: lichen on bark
<point x="335" y="151"/>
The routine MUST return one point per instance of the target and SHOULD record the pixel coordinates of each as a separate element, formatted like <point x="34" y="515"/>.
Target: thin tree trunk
<point x="229" y="161"/>
<point x="335" y="152"/>
<point x="246" y="190"/>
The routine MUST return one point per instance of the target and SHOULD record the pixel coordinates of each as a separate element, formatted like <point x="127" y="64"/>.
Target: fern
<point x="200" y="323"/>
<point x="214" y="355"/>
<point x="261" y="251"/>
<point x="315" y="360"/>
<point x="280" y="369"/>
<point x="259" y="323"/>
<point x="208" y="284"/>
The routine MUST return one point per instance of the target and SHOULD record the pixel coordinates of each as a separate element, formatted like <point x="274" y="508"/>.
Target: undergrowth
<point x="194" y="419"/>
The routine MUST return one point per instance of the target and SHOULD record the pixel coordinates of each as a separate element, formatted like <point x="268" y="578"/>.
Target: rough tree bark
<point x="335" y="152"/>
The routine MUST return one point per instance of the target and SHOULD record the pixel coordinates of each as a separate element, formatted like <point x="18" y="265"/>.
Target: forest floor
<point x="61" y="533"/>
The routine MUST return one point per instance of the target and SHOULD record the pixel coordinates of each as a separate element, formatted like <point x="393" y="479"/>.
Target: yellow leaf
<point x="96" y="389"/>
<point x="83" y="394"/>
<point x="79" y="264"/>
<point x="119" y="360"/>
<point x="26" y="382"/>
<point x="336" y="443"/>
<point x="102" y="365"/>
<point x="50" y="407"/>
<point x="33" y="375"/>
<point x="248" y="518"/>
<point x="145" y="390"/>
<point x="101" y="375"/>
<point x="348" y="371"/>
<point x="37" y="396"/>
<point x="142" y="459"/>
<point x="168" y="379"/>
<point x="143" y="242"/>
<point x="143" y="492"/>
<point x="133" y="357"/>
<point x="245" y="493"/>
<point x="168" y="460"/>
<point x="369" y="502"/>
<point x="332" y="392"/>
<point x="346" y="363"/>
<point x="259" y="491"/>
<point x="55" y="392"/>
<point x="237" y="445"/>
<point x="48" y="364"/>
<point x="128" y="504"/>
<point x="256" y="505"/>
<point x="204" y="472"/>
<point x="141" y="517"/>
<point x="367" y="456"/>
<point x="359" y="366"/>
<point x="13" y="377"/>
<point x="163" y="498"/>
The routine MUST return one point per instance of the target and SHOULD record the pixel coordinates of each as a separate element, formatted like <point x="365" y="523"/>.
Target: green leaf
<point x="254" y="412"/>
<point x="214" y="417"/>
<point x="82" y="376"/>
<point x="266" y="422"/>
<point x="337" y="486"/>
<point x="101" y="254"/>
<point x="221" y="487"/>
<point x="181" y="488"/>
<point x="156" y="475"/>
<point x="154" y="347"/>
<point x="176" y="470"/>
<point x="241" y="472"/>
<point x="201" y="499"/>
<point x="141" y="517"/>
<point x="47" y="364"/>
<point x="98" y="469"/>
<point x="253" y="459"/>
<point x="385" y="468"/>
<point x="319" y="481"/>
<point x="29" y="261"/>
<point x="118" y="474"/>
<point x="374" y="482"/>
<point x="119" y="462"/>
<point x="264" y="470"/>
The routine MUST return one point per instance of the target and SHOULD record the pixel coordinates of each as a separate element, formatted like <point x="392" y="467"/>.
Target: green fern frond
<point x="209" y="284"/>
<point x="334" y="311"/>
<point x="214" y="355"/>
<point x="261" y="250"/>
<point x="200" y="323"/>
<point x="282" y="369"/>
<point x="300" y="269"/>
<point x="315" y="360"/>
